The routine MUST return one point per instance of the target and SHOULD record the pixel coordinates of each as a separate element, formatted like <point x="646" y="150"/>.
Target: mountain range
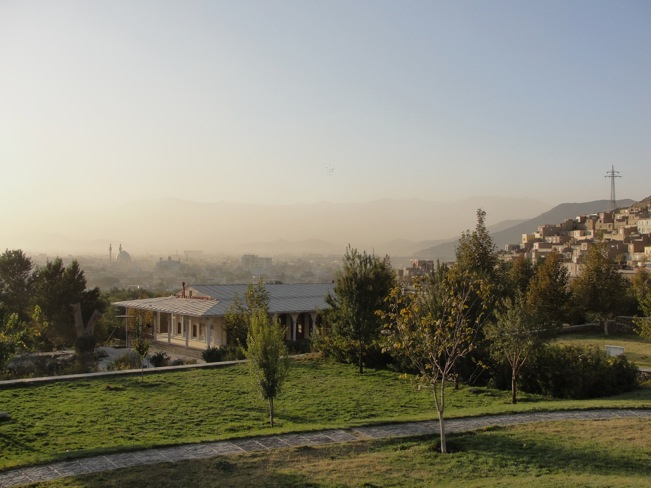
<point x="399" y="228"/>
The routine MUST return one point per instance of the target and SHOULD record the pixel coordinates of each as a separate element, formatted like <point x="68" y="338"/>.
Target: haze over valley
<point x="168" y="225"/>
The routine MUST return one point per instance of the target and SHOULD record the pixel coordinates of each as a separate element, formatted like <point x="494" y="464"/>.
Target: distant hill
<point x="170" y="225"/>
<point x="513" y="234"/>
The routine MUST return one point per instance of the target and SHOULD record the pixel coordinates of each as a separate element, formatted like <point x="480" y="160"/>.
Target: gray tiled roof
<point x="215" y="300"/>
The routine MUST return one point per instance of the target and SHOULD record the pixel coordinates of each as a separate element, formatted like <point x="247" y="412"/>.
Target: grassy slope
<point x="557" y="454"/>
<point x="67" y="420"/>
<point x="636" y="349"/>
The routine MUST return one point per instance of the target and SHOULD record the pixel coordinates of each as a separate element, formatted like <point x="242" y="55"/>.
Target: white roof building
<point x="194" y="317"/>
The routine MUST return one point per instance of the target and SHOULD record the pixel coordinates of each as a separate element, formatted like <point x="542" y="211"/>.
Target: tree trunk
<point x="271" y="411"/>
<point x="440" y="407"/>
<point x="361" y="361"/>
<point x="514" y="376"/>
<point x="605" y="326"/>
<point x="80" y="328"/>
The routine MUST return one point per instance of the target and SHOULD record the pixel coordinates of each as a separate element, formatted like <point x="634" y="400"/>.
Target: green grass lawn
<point x="545" y="454"/>
<point x="72" y="419"/>
<point x="636" y="349"/>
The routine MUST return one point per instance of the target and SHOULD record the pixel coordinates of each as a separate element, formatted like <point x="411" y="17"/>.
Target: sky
<point x="280" y="102"/>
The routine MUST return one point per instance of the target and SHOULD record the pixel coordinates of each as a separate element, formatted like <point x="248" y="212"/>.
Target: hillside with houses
<point x="627" y="232"/>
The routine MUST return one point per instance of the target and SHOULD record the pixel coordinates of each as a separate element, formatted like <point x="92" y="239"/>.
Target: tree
<point x="476" y="252"/>
<point x="238" y="316"/>
<point x="267" y="357"/>
<point x="519" y="275"/>
<point x="641" y="285"/>
<point x="513" y="337"/>
<point x="15" y="282"/>
<point x="17" y="335"/>
<point x="141" y="346"/>
<point x="360" y="288"/>
<point x="85" y="343"/>
<point x="476" y="256"/>
<point x="599" y="289"/>
<point x="10" y="329"/>
<point x="57" y="287"/>
<point x="433" y="327"/>
<point x="547" y="295"/>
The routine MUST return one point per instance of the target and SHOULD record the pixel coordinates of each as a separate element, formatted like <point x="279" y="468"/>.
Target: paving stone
<point x="71" y="468"/>
<point x="39" y="473"/>
<point x="223" y="448"/>
<point x="149" y="457"/>
<point x="196" y="451"/>
<point x="13" y="478"/>
<point x="168" y="453"/>
<point x="340" y="436"/>
<point x="250" y="445"/>
<point x="124" y="460"/>
<point x="293" y="439"/>
<point x="318" y="438"/>
<point x="273" y="442"/>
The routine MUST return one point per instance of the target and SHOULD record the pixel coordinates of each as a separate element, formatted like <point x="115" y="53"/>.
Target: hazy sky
<point x="303" y="101"/>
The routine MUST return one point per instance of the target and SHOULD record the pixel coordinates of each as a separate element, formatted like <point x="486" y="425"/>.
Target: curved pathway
<point x="108" y="462"/>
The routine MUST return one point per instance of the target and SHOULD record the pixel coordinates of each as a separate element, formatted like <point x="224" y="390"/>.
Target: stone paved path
<point x="21" y="476"/>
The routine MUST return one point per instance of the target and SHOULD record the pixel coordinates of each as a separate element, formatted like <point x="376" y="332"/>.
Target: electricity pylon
<point x="612" y="174"/>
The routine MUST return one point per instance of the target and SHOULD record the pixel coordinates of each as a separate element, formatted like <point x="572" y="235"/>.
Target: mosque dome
<point x="123" y="256"/>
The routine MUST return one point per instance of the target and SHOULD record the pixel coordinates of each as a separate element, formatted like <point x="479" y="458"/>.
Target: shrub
<point x="212" y="354"/>
<point x="299" y="347"/>
<point x="159" y="359"/>
<point x="577" y="372"/>
<point x="346" y="350"/>
<point x="232" y="352"/>
<point x="129" y="360"/>
<point x="182" y="361"/>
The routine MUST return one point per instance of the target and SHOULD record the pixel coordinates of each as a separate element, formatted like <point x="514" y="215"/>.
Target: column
<point x="156" y="325"/>
<point x="126" y="328"/>
<point x="294" y="319"/>
<point x="313" y="316"/>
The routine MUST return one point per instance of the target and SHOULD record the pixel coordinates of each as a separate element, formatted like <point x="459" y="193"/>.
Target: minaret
<point x="110" y="253"/>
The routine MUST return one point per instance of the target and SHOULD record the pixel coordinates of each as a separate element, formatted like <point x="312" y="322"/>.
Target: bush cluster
<point x="575" y="372"/>
<point x="216" y="354"/>
<point x="301" y="346"/>
<point x="212" y="354"/>
<point x="129" y="360"/>
<point x="345" y="350"/>
<point x="159" y="359"/>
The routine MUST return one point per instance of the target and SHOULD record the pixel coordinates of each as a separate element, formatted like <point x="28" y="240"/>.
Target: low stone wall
<point x="621" y="325"/>
<point x="47" y="363"/>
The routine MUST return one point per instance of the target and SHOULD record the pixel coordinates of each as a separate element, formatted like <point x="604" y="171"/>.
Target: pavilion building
<point x="194" y="318"/>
